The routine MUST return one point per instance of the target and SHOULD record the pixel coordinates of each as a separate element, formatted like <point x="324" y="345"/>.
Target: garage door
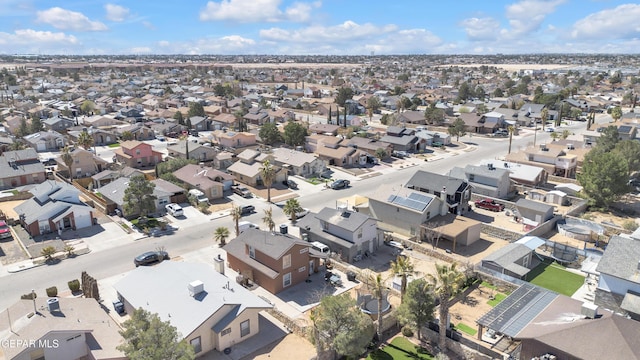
<point x="83" y="220"/>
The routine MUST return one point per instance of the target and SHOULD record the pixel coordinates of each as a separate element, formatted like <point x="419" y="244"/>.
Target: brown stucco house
<point x="85" y="163"/>
<point x="137" y="154"/>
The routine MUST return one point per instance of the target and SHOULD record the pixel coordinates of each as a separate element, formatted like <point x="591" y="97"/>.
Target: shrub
<point x="630" y="225"/>
<point x="69" y="250"/>
<point x="407" y="332"/>
<point x="29" y="296"/>
<point x="52" y="291"/>
<point x="74" y="285"/>
<point x="48" y="252"/>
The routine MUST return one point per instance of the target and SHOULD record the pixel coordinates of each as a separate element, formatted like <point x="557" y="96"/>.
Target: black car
<point x="150" y="257"/>
<point x="340" y="184"/>
<point x="247" y="209"/>
<point x="290" y="184"/>
<point x="118" y="306"/>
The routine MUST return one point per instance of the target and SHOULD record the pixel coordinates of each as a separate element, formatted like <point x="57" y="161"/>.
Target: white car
<point x="549" y="129"/>
<point x="174" y="209"/>
<point x="302" y="213"/>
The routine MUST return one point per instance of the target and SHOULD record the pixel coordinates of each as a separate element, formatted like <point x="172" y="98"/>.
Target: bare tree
<point x="431" y="233"/>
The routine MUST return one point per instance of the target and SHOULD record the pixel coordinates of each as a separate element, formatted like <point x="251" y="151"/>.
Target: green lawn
<point x="466" y="329"/>
<point x="400" y="349"/>
<point x="497" y="299"/>
<point x="553" y="276"/>
<point x="114" y="145"/>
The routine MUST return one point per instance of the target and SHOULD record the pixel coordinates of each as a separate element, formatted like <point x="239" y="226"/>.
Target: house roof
<point x="77" y="315"/>
<point x="274" y="245"/>
<point x="409" y="199"/>
<point x="621" y="259"/>
<point x="348" y="220"/>
<point x="163" y="289"/>
<point x="51" y="200"/>
<point x="533" y="205"/>
<point x="250" y="170"/>
<point x="201" y="176"/>
<point x="506" y="256"/>
<point x="435" y="182"/>
<point x="293" y="157"/>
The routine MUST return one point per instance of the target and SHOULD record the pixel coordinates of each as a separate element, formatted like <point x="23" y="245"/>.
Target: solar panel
<point x="415" y="201"/>
<point x="420" y="197"/>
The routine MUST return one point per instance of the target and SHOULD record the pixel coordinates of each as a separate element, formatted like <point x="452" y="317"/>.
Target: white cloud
<point x="33" y="41"/>
<point x="140" y="50"/>
<point x="619" y="23"/>
<point x="148" y="25"/>
<point x="232" y="44"/>
<point x="256" y="11"/>
<point x="526" y="16"/>
<point x="481" y="29"/>
<point x="116" y="13"/>
<point x="69" y="20"/>
<point x="347" y="31"/>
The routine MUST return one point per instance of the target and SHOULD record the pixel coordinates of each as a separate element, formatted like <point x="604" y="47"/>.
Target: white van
<point x="244" y="225"/>
<point x="199" y="196"/>
<point x="318" y="246"/>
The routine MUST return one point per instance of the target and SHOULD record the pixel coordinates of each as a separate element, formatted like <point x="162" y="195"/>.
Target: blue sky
<point x="324" y="27"/>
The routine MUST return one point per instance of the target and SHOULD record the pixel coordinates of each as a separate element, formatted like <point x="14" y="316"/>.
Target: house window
<point x="472" y="177"/>
<point x="225" y="332"/>
<point x="286" y="261"/>
<point x="245" y="329"/>
<point x="360" y="234"/>
<point x="78" y="172"/>
<point x="252" y="252"/>
<point x="197" y="345"/>
<point x="304" y="250"/>
<point x="302" y="269"/>
<point x="77" y="161"/>
<point x="137" y="151"/>
<point x="286" y="280"/>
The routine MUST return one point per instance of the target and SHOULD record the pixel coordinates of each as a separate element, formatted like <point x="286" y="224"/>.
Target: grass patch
<point x="554" y="277"/>
<point x="400" y="348"/>
<point x="497" y="299"/>
<point x="466" y="329"/>
<point x="114" y="145"/>
<point x="488" y="285"/>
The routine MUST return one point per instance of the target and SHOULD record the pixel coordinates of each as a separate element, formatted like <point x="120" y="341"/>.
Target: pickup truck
<point x="489" y="204"/>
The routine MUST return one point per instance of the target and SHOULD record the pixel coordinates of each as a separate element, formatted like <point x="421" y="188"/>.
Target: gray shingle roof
<point x="347" y="220"/>
<point x="435" y="182"/>
<point x="533" y="205"/>
<point x="621" y="258"/>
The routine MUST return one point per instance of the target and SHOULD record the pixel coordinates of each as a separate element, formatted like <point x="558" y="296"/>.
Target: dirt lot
<point x="291" y="347"/>
<point x="471" y="308"/>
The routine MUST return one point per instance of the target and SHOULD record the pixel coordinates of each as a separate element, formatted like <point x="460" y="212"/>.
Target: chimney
<point x="218" y="264"/>
<point x="343" y="209"/>
<point x="195" y="288"/>
<point x="444" y="208"/>
<point x="201" y="165"/>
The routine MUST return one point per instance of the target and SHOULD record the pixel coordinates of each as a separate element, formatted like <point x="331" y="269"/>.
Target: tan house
<point x="297" y="162"/>
<point x="209" y="311"/>
<point x="208" y="180"/>
<point x="196" y="151"/>
<point x="247" y="169"/>
<point x="275" y="261"/>
<point x="137" y="154"/>
<point x="554" y="160"/>
<point x="63" y="328"/>
<point x="232" y="139"/>
<point x="85" y="164"/>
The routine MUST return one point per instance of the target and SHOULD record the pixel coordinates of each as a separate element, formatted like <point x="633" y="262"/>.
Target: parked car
<point x="489" y="204"/>
<point x="174" y="209"/>
<point x="118" y="306"/>
<point x="549" y="129"/>
<point x="150" y="257"/>
<point x="290" y="184"/>
<point x="247" y="209"/>
<point x="242" y="191"/>
<point x="326" y="174"/>
<point x="5" y="232"/>
<point x="302" y="213"/>
<point x="244" y="225"/>
<point x="400" y="154"/>
<point x="340" y="184"/>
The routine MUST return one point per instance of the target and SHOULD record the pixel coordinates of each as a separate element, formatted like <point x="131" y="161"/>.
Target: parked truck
<point x="489" y="204"/>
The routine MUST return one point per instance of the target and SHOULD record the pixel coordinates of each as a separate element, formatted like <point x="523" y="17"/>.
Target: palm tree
<point x="291" y="208"/>
<point x="268" y="219"/>
<point x="447" y="283"/>
<point x="404" y="268"/>
<point x="127" y="135"/>
<point x="511" y="129"/>
<point x="85" y="140"/>
<point x="236" y="215"/>
<point x="268" y="174"/>
<point x="221" y="234"/>
<point x="378" y="288"/>
<point x="544" y="115"/>
<point x="67" y="159"/>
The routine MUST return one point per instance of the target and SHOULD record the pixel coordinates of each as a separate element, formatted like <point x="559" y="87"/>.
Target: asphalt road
<point x="110" y="262"/>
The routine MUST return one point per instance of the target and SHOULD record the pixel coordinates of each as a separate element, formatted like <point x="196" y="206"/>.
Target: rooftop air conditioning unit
<point x="589" y="310"/>
<point x="195" y="288"/>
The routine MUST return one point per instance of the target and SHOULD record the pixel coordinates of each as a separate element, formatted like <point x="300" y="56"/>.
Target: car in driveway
<point x="549" y="129"/>
<point x="174" y="209"/>
<point x="290" y="184"/>
<point x="247" y="209"/>
<point x="242" y="191"/>
<point x="489" y="204"/>
<point x="340" y="184"/>
<point x="5" y="232"/>
<point x="301" y="213"/>
<point x="150" y="258"/>
<point x="118" y="306"/>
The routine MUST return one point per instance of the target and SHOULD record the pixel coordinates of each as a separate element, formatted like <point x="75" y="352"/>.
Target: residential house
<point x="209" y="310"/>
<point x="521" y="173"/>
<point x="473" y="122"/>
<point x="412" y="117"/>
<point x="274" y="260"/>
<point x="350" y="234"/>
<point x="100" y="137"/>
<point x="54" y="206"/>
<point x="46" y="141"/>
<point x="533" y="213"/>
<point x="325" y="129"/>
<point x="370" y="146"/>
<point x="98" y="121"/>
<point x="5" y="143"/>
<point x="256" y="118"/>
<point x="137" y="130"/>
<point x="61" y="328"/>
<point x="297" y="162"/>
<point x="163" y="191"/>
<point x="84" y="164"/>
<point x="458" y="230"/>
<point x="19" y="168"/>
<point x="493" y="121"/>
<point x="247" y="169"/>
<point x="402" y="139"/>
<point x="210" y="181"/>
<point x="281" y="115"/>
<point x="618" y="283"/>
<point x="554" y="160"/>
<point x="137" y="154"/>
<point x="515" y="259"/>
<point x="197" y="151"/>
<point x="223" y="121"/>
<point x="233" y="139"/>
<point x="106" y="176"/>
<point x="457" y="191"/>
<point x="58" y="123"/>
<point x="200" y="123"/>
<point x="486" y="180"/>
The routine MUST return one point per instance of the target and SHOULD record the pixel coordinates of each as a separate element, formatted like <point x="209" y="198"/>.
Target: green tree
<point x="344" y="94"/>
<point x="342" y="327"/>
<point x="373" y="103"/>
<point x="269" y="133"/>
<point x="195" y="109"/>
<point x="544" y="115"/>
<point x="219" y="90"/>
<point x="268" y="175"/>
<point x="236" y="215"/>
<point x="609" y="138"/>
<point x="23" y="129"/>
<point x="179" y="117"/>
<point x="603" y="176"/>
<point x="379" y="291"/>
<point x="294" y="133"/>
<point x="498" y="92"/>
<point x="417" y="308"/>
<point x="48" y="252"/>
<point x="138" y="197"/>
<point x="173" y="164"/>
<point x="267" y="219"/>
<point x="464" y="92"/>
<point x="616" y="113"/>
<point x="85" y="140"/>
<point x="127" y="135"/>
<point x="433" y="115"/>
<point x="17" y="145"/>
<point x="87" y="107"/>
<point x="381" y="153"/>
<point x="36" y="124"/>
<point x="457" y="128"/>
<point x="67" y="159"/>
<point x="147" y="337"/>
<point x="402" y="267"/>
<point x="447" y="283"/>
<point x="630" y="151"/>
<point x="220" y="235"/>
<point x="291" y="208"/>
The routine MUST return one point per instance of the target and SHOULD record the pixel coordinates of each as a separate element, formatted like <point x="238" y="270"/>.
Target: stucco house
<point x="233" y="139"/>
<point x="210" y="181"/>
<point x="486" y="180"/>
<point x="58" y="123"/>
<point x="196" y="151"/>
<point x="46" y="141"/>
<point x="209" y="310"/>
<point x="20" y="167"/>
<point x="275" y="261"/>
<point x="54" y="206"/>
<point x="297" y="162"/>
<point x="164" y="192"/>
<point x="456" y="191"/>
<point x="247" y="169"/>
<point x="137" y="154"/>
<point x="85" y="163"/>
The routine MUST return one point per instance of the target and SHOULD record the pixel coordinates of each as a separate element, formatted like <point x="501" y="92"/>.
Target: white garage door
<point x="83" y="219"/>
